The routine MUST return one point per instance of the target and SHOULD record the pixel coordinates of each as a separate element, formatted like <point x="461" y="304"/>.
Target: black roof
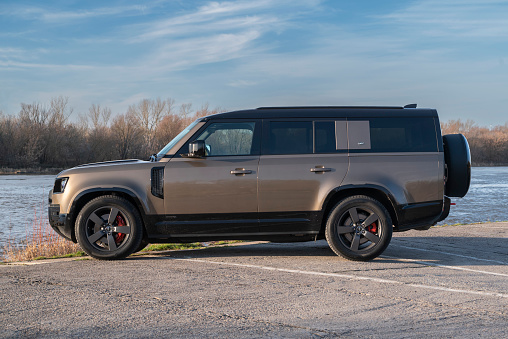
<point x="326" y="112"/>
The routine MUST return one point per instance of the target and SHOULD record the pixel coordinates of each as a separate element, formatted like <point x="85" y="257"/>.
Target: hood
<point x="102" y="166"/>
<point x="106" y="163"/>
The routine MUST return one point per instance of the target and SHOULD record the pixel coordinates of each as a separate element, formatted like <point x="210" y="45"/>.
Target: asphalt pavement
<point x="446" y="282"/>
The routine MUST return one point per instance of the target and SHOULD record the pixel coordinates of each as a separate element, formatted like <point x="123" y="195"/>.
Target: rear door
<point x="302" y="161"/>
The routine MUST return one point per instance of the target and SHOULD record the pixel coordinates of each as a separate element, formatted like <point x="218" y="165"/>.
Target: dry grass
<point x="41" y="241"/>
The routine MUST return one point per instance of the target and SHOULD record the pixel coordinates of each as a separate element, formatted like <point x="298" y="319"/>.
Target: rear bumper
<point x="58" y="221"/>
<point x="419" y="215"/>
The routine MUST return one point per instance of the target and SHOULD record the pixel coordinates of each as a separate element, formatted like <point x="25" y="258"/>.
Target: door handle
<point x="240" y="171"/>
<point x="320" y="169"/>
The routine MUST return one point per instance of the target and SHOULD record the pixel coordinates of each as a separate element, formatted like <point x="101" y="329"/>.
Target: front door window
<point x="228" y="138"/>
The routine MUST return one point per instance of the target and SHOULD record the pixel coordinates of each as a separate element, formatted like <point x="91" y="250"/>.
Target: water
<point x="25" y="197"/>
<point x="487" y="199"/>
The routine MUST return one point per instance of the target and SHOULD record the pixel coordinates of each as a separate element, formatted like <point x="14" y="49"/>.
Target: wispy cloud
<point x="187" y="53"/>
<point x="55" y="16"/>
<point x="227" y="16"/>
<point x="454" y="18"/>
<point x="217" y="32"/>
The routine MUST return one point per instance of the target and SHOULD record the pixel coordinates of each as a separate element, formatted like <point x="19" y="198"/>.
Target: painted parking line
<point x="449" y="253"/>
<point x="346" y="276"/>
<point x="443" y="266"/>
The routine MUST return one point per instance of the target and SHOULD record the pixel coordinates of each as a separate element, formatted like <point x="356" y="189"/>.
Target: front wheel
<point x="359" y="228"/>
<point x="109" y="227"/>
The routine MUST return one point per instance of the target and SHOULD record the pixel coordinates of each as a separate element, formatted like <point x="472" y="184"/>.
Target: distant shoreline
<point x="30" y="171"/>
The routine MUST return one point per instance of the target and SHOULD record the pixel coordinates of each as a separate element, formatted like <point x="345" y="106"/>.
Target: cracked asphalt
<point x="445" y="282"/>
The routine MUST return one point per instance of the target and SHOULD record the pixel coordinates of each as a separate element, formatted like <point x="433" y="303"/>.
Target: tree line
<point x="42" y="136"/>
<point x="489" y="145"/>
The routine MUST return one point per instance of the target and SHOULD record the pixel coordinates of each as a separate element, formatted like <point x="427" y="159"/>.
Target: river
<point x="24" y="198"/>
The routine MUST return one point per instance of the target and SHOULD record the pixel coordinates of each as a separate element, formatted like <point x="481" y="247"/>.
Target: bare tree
<point x="127" y="135"/>
<point x="150" y="113"/>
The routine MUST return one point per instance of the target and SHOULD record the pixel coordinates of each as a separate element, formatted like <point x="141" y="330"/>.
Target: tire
<point x="359" y="228"/>
<point x="109" y="227"/>
<point x="458" y="165"/>
<point x="142" y="245"/>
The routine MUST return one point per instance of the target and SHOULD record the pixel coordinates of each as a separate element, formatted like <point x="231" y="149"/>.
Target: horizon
<point x="446" y="55"/>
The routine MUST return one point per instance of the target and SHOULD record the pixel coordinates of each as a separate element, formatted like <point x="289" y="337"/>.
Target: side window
<point x="330" y="136"/>
<point x="325" y="136"/>
<point x="290" y="137"/>
<point x="392" y="135"/>
<point x="228" y="138"/>
<point x="403" y="135"/>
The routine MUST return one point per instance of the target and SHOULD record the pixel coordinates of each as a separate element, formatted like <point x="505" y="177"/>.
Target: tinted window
<point x="290" y="137"/>
<point x="228" y="138"/>
<point x="402" y="135"/>
<point x="325" y="137"/>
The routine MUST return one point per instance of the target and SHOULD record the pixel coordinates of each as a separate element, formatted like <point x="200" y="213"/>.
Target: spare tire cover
<point x="458" y="164"/>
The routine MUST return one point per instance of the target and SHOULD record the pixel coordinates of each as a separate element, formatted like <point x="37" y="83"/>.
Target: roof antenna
<point x="410" y="106"/>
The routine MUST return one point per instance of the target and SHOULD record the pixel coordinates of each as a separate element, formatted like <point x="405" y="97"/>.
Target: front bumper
<point x="58" y="222"/>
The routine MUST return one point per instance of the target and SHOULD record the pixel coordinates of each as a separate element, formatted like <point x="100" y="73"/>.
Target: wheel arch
<point x="87" y="195"/>
<point x="376" y="192"/>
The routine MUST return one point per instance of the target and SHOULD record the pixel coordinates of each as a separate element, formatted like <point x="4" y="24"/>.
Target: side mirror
<point x="196" y="149"/>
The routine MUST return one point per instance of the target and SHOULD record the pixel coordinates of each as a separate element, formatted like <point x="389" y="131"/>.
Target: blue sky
<point x="446" y="54"/>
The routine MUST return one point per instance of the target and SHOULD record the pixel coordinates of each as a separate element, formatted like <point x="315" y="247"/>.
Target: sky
<point x="447" y="54"/>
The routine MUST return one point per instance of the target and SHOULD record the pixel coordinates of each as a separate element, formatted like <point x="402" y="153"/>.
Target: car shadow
<point x="463" y="251"/>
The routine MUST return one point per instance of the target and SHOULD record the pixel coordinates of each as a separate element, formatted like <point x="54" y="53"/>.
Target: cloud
<point x="56" y="16"/>
<point x="454" y="18"/>
<point x="227" y="16"/>
<point x="187" y="53"/>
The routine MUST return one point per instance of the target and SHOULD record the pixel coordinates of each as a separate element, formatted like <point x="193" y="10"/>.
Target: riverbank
<point x="30" y="171"/>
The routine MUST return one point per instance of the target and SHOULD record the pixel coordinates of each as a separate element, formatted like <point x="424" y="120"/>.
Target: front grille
<point x="157" y="182"/>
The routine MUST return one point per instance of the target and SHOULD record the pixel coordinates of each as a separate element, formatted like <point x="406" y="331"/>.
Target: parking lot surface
<point x="445" y="282"/>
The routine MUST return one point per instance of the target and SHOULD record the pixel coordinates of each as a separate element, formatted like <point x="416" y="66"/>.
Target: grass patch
<point x="190" y="246"/>
<point x="168" y="247"/>
<point x="68" y="255"/>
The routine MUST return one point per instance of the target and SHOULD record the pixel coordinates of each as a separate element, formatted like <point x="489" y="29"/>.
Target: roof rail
<point x="330" y="107"/>
<point x="410" y="106"/>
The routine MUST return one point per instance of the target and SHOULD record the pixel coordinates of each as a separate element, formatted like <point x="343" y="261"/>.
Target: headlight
<point x="60" y="184"/>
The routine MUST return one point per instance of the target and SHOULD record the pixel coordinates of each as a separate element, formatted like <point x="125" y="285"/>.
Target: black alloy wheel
<point x="109" y="227"/>
<point x="359" y="228"/>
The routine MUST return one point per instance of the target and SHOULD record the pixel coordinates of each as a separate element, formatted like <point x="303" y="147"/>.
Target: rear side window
<point x="330" y="136"/>
<point x="402" y="135"/>
<point x="325" y="136"/>
<point x="290" y="137"/>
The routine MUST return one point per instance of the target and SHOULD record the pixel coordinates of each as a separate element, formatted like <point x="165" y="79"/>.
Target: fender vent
<point x="157" y="182"/>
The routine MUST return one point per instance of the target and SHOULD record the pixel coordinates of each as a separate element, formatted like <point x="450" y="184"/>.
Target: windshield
<point x="176" y="139"/>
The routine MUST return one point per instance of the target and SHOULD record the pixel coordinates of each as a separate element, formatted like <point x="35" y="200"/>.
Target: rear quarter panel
<point x="409" y="177"/>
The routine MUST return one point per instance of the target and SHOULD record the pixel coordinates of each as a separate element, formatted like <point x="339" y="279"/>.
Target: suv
<point x="352" y="175"/>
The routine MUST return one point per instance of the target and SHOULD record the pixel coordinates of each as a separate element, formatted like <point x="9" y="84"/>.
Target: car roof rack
<point x="330" y="107"/>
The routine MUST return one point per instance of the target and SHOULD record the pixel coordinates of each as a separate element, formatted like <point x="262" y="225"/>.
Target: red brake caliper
<point x="372" y="228"/>
<point x="119" y="222"/>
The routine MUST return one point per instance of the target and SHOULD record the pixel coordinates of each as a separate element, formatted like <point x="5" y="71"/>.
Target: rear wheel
<point x="109" y="227"/>
<point x="359" y="228"/>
